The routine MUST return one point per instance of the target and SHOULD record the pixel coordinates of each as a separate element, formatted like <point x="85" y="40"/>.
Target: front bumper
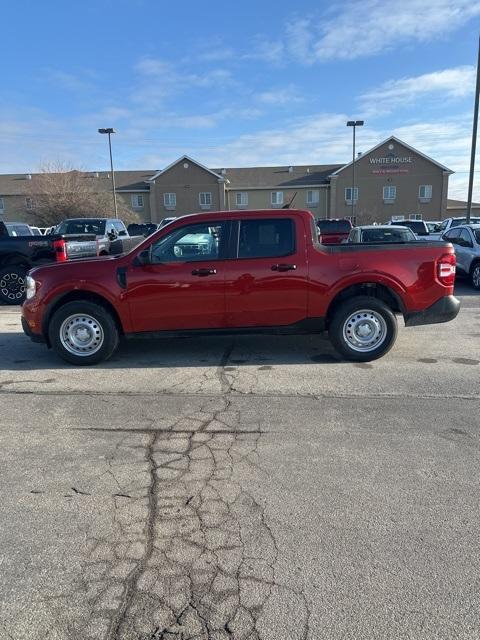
<point x="443" y="310"/>
<point x="35" y="337"/>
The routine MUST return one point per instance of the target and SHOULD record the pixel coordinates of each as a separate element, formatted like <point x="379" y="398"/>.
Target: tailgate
<point x="81" y="246"/>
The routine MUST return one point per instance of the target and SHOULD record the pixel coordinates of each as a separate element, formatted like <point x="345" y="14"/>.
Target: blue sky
<point x="265" y="82"/>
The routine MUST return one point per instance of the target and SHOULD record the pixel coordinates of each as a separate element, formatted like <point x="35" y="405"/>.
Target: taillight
<point x="447" y="268"/>
<point x="60" y="248"/>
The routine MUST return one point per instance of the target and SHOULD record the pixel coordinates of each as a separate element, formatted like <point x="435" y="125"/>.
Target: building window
<point x="241" y="199"/>
<point x="205" y="199"/>
<point x="313" y="198"/>
<point x="276" y="198"/>
<point x="29" y="202"/>
<point x="353" y="220"/>
<point x="415" y="216"/>
<point x="389" y="194"/>
<point x="425" y="192"/>
<point x="170" y="201"/>
<point x="348" y="194"/>
<point x="137" y="201"/>
<point x="2" y="205"/>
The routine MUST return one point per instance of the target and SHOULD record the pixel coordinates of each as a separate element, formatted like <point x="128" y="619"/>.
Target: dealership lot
<point x="254" y="487"/>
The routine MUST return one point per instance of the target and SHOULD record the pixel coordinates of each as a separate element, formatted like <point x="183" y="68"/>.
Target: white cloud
<point x="280" y="97"/>
<point x="457" y="82"/>
<point x="362" y="28"/>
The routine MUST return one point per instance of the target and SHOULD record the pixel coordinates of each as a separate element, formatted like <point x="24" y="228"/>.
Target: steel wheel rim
<point x="476" y="277"/>
<point x="12" y="286"/>
<point x="81" y="335"/>
<point x="365" y="330"/>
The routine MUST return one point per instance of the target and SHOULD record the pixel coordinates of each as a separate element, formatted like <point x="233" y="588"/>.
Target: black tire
<point x="372" y="315"/>
<point x="475" y="275"/>
<point x="12" y="284"/>
<point x="98" y="321"/>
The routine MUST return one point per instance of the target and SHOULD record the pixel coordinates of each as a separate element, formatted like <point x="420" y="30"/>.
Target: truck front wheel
<point x="363" y="329"/>
<point x="83" y="333"/>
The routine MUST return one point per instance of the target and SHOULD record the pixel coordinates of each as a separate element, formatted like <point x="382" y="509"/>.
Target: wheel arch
<point x="474" y="263"/>
<point x="14" y="260"/>
<point x="72" y="296"/>
<point x="374" y="289"/>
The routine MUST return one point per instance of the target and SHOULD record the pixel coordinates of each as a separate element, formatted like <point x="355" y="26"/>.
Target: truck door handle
<point x="284" y="267"/>
<point x="204" y="272"/>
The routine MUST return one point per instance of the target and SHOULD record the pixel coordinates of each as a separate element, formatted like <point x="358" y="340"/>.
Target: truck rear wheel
<point x="12" y="285"/>
<point x="363" y="329"/>
<point x="83" y="333"/>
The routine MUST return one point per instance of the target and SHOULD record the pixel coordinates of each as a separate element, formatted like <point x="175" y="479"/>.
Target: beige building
<point x="391" y="180"/>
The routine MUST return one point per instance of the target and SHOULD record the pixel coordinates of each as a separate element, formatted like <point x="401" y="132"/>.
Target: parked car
<point x="265" y="271"/>
<point x="419" y="227"/>
<point x="333" y="231"/>
<point x="381" y="233"/>
<point x="466" y="242"/>
<point x="433" y="226"/>
<point x="111" y="235"/>
<point x="20" y="253"/>
<point x="18" y="229"/>
<point x="449" y="223"/>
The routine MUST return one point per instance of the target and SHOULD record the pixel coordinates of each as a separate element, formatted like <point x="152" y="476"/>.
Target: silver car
<point x="466" y="241"/>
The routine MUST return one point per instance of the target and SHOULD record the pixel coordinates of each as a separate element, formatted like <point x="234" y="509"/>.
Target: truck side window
<point x="120" y="228"/>
<point x="266" y="238"/>
<point x="191" y="243"/>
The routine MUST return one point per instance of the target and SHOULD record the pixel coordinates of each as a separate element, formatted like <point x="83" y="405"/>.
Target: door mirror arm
<point x="143" y="258"/>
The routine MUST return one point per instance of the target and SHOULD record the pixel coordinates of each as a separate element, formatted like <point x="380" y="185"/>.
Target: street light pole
<point x="354" y="124"/>
<point x="474" y="140"/>
<point x="109" y="132"/>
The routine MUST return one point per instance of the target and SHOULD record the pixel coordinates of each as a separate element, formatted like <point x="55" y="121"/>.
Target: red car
<point x="240" y="272"/>
<point x="333" y="231"/>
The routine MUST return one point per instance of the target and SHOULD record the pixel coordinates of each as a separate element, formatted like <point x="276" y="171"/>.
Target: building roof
<point x="18" y="183"/>
<point x="281" y="177"/>
<point x="404" y="144"/>
<point x="219" y="177"/>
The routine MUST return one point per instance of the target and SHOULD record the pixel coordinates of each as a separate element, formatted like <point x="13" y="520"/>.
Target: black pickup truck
<point x="19" y="254"/>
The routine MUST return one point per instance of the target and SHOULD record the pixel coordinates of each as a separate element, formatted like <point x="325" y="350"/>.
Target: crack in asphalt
<point x="192" y="555"/>
<point x="236" y="393"/>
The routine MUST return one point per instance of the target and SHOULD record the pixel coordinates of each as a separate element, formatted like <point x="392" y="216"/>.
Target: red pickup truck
<point x="240" y="272"/>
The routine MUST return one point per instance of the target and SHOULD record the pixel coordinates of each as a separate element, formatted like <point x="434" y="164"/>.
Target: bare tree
<point x="59" y="192"/>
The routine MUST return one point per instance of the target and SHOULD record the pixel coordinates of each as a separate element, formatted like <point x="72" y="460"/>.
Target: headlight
<point x="31" y="288"/>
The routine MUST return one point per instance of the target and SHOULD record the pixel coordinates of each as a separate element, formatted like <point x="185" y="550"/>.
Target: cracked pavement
<point x="252" y="488"/>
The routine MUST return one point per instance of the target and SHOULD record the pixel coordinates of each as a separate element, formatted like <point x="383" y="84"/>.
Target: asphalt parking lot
<point x="246" y="488"/>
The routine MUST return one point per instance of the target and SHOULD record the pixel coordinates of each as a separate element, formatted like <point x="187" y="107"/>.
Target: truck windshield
<point x="388" y="235"/>
<point x="86" y="226"/>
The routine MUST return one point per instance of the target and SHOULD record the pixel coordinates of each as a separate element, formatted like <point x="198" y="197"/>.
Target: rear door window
<point x="266" y="238"/>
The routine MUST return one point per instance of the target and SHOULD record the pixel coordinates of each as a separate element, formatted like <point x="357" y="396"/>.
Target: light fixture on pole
<point x="474" y="141"/>
<point x="109" y="132"/>
<point x="354" y="124"/>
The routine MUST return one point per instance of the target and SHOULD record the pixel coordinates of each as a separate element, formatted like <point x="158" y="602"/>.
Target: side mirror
<point x="143" y="258"/>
